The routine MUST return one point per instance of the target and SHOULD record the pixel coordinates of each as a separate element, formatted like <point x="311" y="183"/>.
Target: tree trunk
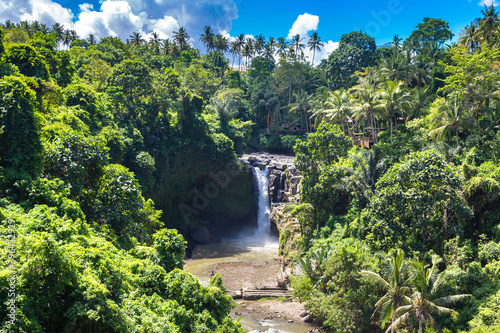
<point x="420" y="327"/>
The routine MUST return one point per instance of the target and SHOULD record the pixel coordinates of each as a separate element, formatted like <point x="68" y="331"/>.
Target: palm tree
<point x="394" y="281"/>
<point x="420" y="97"/>
<point x="339" y="107"/>
<point x="395" y="96"/>
<point x="259" y="43"/>
<point x="297" y="44"/>
<point x="181" y="37"/>
<point x="396" y="67"/>
<point x="423" y="306"/>
<point x="489" y="22"/>
<point x="58" y="29"/>
<point x="74" y="35"/>
<point x="268" y="52"/>
<point x="234" y="50"/>
<point x="470" y="37"/>
<point x="240" y="40"/>
<point x="281" y="47"/>
<point x="67" y="38"/>
<point x="92" y="40"/>
<point x="421" y="70"/>
<point x="315" y="43"/>
<point x="207" y="38"/>
<point x="248" y="51"/>
<point x="155" y="42"/>
<point x="396" y="42"/>
<point x="136" y="39"/>
<point x="366" y="103"/>
<point x="302" y="105"/>
<point x="221" y="45"/>
<point x="447" y="117"/>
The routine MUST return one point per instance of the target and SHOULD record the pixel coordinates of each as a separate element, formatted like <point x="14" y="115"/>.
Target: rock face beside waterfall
<point x="284" y="178"/>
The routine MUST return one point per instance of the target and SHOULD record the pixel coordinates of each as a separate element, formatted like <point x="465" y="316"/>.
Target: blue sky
<point x="332" y="18"/>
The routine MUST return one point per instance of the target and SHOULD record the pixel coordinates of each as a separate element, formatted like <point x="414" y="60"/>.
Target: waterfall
<point x="263" y="232"/>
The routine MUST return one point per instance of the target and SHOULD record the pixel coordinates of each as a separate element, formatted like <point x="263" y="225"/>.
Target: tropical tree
<point x="221" y="45"/>
<point x="208" y="38"/>
<point x="302" y="105"/>
<point x="259" y="44"/>
<point x="366" y="104"/>
<point x="155" y="42"/>
<point x="488" y="23"/>
<point x="297" y="44"/>
<point x="447" y="116"/>
<point x="136" y="39"/>
<point x="181" y="37"/>
<point x="315" y="43"/>
<point x="396" y="42"/>
<point x="470" y="38"/>
<point x="395" y="97"/>
<point x="339" y="106"/>
<point x="420" y="98"/>
<point x="240" y="42"/>
<point x="92" y="40"/>
<point x="424" y="306"/>
<point x="394" y="281"/>
<point x="58" y="29"/>
<point x="281" y="47"/>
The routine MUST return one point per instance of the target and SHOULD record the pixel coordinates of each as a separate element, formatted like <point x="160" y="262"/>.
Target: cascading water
<point x="263" y="232"/>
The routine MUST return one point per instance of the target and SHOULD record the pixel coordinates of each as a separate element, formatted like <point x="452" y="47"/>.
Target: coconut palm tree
<point x="259" y="44"/>
<point x="240" y="40"/>
<point x="339" y="107"/>
<point x="420" y="97"/>
<point x="488" y="23"/>
<point x="366" y="104"/>
<point x="181" y="37"/>
<point x="208" y="38"/>
<point x="155" y="42"/>
<point x="396" y="42"/>
<point x="315" y="43"/>
<point x="470" y="38"/>
<point x="58" y="29"/>
<point x="421" y="71"/>
<point x="448" y="117"/>
<point x="281" y="47"/>
<point x="247" y="51"/>
<point x="221" y="45"/>
<point x="92" y="40"/>
<point x="67" y="38"/>
<point x="302" y="105"/>
<point x="268" y="52"/>
<point x="395" y="97"/>
<point x="396" y="67"/>
<point x="234" y="50"/>
<point x="136" y="39"/>
<point x="394" y="281"/>
<point x="423" y="306"/>
<point x="297" y="44"/>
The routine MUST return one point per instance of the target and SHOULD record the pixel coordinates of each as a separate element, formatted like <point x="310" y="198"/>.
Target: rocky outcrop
<point x="284" y="178"/>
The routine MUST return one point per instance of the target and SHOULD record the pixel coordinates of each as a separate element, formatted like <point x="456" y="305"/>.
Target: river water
<point x="259" y="247"/>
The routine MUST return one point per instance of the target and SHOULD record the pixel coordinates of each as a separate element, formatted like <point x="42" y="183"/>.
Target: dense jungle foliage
<point x="105" y="143"/>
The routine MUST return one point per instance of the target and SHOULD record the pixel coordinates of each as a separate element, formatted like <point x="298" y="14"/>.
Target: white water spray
<point x="263" y="232"/>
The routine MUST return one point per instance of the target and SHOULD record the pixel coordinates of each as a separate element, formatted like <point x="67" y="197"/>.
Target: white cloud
<point x="328" y="47"/>
<point x="488" y="3"/>
<point x="122" y="17"/>
<point x="44" y="11"/>
<point x="303" y="24"/>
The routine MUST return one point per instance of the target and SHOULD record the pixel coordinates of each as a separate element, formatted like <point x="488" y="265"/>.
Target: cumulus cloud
<point x="488" y="3"/>
<point x="303" y="24"/>
<point x="122" y="17"/>
<point x="44" y="11"/>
